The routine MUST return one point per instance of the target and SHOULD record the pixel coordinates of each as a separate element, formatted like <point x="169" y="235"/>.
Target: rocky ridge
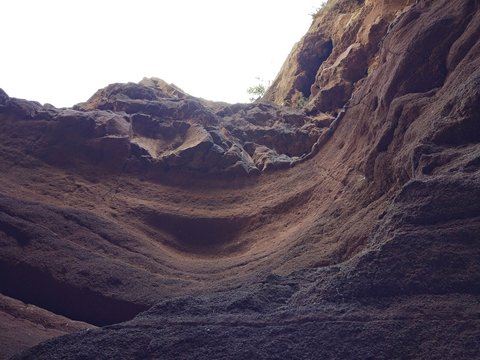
<point x="153" y="127"/>
<point x="367" y="248"/>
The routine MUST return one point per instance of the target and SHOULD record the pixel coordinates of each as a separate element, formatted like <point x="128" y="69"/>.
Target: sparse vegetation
<point x="323" y="6"/>
<point x="328" y="4"/>
<point x="256" y="92"/>
<point x="299" y="100"/>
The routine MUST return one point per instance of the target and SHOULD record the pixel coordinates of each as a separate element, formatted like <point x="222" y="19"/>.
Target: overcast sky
<point x="61" y="52"/>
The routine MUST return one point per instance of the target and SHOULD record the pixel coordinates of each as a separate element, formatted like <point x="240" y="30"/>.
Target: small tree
<point x="256" y="92"/>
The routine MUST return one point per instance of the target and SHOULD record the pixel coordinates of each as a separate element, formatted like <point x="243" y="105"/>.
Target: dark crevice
<point x="466" y="131"/>
<point x="39" y="287"/>
<point x="22" y="237"/>
<point x="311" y="64"/>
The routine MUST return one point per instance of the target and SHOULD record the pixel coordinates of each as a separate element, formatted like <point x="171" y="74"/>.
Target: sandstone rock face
<point x="341" y="47"/>
<point x="195" y="229"/>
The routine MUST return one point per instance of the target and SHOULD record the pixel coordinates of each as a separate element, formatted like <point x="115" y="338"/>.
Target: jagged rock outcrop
<point x="172" y="130"/>
<point x="341" y="47"/>
<point x="363" y="243"/>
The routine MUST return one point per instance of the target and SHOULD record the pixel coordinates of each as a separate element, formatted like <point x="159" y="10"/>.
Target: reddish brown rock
<point x="367" y="247"/>
<point x="324" y="72"/>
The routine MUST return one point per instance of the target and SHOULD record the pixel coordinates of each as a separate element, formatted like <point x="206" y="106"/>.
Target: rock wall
<point x="362" y="243"/>
<point x="150" y="128"/>
<point x="340" y="48"/>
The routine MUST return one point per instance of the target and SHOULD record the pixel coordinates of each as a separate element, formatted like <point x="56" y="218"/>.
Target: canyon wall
<point x="339" y="217"/>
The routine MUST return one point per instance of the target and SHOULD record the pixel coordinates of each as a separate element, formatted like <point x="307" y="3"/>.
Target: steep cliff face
<point x="345" y="227"/>
<point x="341" y="47"/>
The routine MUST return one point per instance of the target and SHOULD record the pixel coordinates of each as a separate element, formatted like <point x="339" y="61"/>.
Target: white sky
<point x="62" y="51"/>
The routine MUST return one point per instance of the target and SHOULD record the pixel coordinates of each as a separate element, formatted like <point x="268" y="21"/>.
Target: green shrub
<point x="256" y="92"/>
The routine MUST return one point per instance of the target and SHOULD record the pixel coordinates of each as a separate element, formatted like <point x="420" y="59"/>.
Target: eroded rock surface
<point x="341" y="47"/>
<point x="140" y="206"/>
<point x="171" y="130"/>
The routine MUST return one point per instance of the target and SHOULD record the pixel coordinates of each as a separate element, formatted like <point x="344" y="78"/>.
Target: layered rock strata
<point x="363" y="243"/>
